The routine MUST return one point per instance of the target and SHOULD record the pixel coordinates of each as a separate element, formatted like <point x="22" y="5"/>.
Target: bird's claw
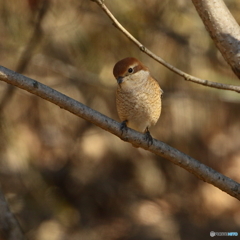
<point x="148" y="137"/>
<point x="123" y="126"/>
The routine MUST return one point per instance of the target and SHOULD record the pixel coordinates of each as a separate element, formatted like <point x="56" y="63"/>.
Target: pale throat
<point x="135" y="80"/>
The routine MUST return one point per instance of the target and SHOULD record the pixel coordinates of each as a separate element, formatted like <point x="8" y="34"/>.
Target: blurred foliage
<point x="64" y="178"/>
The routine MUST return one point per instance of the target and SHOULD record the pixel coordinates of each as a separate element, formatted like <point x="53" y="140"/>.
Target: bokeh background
<point x="65" y="178"/>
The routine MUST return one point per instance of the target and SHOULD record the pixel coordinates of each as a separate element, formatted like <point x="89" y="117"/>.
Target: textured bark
<point x="193" y="166"/>
<point x="223" y="29"/>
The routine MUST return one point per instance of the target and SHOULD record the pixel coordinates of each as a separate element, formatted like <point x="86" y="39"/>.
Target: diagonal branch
<point x="186" y="76"/>
<point x="223" y="29"/>
<point x="193" y="166"/>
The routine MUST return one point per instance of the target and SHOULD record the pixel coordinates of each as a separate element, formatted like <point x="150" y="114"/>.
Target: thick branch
<point x="201" y="171"/>
<point x="223" y="29"/>
<point x="186" y="76"/>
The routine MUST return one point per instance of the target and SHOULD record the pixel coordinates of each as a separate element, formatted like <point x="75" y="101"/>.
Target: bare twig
<point x="186" y="76"/>
<point x="200" y="170"/>
<point x="9" y="227"/>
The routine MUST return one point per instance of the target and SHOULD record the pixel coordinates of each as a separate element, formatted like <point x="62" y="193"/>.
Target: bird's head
<point x="129" y="72"/>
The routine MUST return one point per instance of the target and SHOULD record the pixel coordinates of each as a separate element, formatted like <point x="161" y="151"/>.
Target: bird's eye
<point x="130" y="70"/>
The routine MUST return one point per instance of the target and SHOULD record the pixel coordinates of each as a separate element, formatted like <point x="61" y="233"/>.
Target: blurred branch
<point x="186" y="76"/>
<point x="76" y="76"/>
<point x="193" y="166"/>
<point x="9" y="227"/>
<point x="28" y="51"/>
<point x="34" y="39"/>
<point x="223" y="29"/>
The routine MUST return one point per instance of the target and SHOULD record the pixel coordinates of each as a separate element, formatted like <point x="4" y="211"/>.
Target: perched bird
<point x="138" y="96"/>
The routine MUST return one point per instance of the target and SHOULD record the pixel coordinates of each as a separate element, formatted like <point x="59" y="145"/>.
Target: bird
<point x="138" y="96"/>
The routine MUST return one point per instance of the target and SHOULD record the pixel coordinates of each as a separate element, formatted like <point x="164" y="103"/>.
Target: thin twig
<point x="193" y="166"/>
<point x="186" y="76"/>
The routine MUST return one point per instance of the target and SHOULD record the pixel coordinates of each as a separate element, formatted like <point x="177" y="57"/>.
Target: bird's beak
<point x="119" y="80"/>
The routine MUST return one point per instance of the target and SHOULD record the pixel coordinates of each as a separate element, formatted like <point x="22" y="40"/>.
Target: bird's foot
<point x="123" y="126"/>
<point x="148" y="137"/>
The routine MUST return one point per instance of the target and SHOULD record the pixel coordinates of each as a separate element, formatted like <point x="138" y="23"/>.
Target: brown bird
<point x="138" y="96"/>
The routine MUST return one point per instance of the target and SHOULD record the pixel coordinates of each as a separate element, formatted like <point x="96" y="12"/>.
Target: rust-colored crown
<point x="121" y="68"/>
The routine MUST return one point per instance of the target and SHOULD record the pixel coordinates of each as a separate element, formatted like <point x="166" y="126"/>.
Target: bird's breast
<point x="139" y="105"/>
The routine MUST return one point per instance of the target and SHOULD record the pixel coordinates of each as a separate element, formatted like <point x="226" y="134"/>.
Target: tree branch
<point x="193" y="166"/>
<point x="186" y="76"/>
<point x="28" y="51"/>
<point x="223" y="29"/>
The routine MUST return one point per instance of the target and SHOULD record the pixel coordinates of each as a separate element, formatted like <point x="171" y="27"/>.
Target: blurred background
<point x="65" y="178"/>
